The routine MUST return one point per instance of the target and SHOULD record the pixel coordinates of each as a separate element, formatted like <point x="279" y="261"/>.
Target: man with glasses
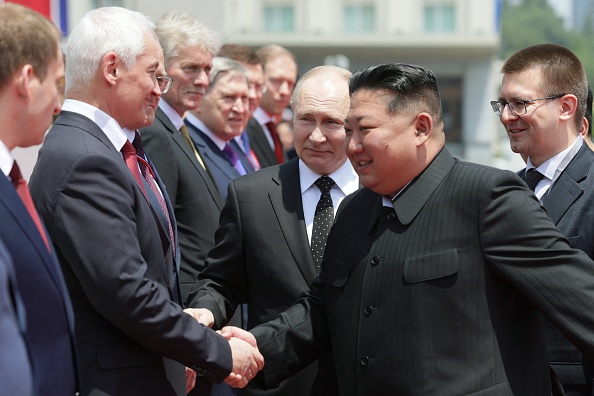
<point x="542" y="104"/>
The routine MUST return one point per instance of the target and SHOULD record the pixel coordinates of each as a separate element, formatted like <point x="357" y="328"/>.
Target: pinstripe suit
<point x="440" y="295"/>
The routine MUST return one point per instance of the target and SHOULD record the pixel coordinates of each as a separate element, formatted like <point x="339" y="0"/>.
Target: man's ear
<point x="424" y="127"/>
<point x="110" y="67"/>
<point x="24" y="77"/>
<point x="568" y="106"/>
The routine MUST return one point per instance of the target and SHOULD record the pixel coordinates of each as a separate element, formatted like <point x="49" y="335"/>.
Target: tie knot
<point x="532" y="178"/>
<point x="324" y="183"/>
<point x="230" y="153"/>
<point x="184" y="130"/>
<point x="15" y="174"/>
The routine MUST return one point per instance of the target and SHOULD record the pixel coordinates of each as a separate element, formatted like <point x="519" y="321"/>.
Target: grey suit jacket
<point x="196" y="199"/>
<point x="440" y="295"/>
<point x="262" y="257"/>
<point x="118" y="266"/>
<point x="220" y="167"/>
<point x="570" y="204"/>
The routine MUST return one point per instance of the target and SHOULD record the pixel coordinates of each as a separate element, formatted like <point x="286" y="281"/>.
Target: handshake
<point x="247" y="359"/>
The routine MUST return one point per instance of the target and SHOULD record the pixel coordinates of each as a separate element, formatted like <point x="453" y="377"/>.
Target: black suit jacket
<point x="196" y="199"/>
<point x="259" y="144"/>
<point x="50" y="320"/>
<point x="441" y="294"/>
<point x="118" y="264"/>
<point x="570" y="204"/>
<point x="262" y="257"/>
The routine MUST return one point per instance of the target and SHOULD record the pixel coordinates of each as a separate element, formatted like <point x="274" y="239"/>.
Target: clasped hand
<point x="247" y="359"/>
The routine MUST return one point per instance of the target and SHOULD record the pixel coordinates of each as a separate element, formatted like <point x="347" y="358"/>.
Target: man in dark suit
<point x="280" y="75"/>
<point x="546" y="133"/>
<point x="15" y="368"/>
<point x="188" y="47"/>
<point x="263" y="256"/>
<point x="29" y="72"/>
<point x="221" y="118"/>
<point x="112" y="226"/>
<point x="434" y="275"/>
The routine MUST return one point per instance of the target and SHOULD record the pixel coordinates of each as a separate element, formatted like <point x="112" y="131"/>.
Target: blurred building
<point x="457" y="39"/>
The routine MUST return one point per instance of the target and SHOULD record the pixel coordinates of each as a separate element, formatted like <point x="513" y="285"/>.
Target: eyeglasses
<point x="164" y="83"/>
<point x="517" y="107"/>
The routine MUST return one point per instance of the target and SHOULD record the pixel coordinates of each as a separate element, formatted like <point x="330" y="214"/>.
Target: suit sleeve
<point x="223" y="283"/>
<point x="522" y="245"/>
<point x="97" y="195"/>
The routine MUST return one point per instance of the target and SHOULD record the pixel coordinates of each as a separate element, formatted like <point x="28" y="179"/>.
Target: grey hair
<point x="224" y="66"/>
<point x="178" y="29"/>
<point x="103" y="30"/>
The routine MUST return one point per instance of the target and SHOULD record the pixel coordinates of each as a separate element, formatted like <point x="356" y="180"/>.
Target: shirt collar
<point x="114" y="132"/>
<point x="192" y="119"/>
<point x="345" y="177"/>
<point x="551" y="167"/>
<point x="6" y="159"/>
<point x="262" y="116"/>
<point x="171" y="113"/>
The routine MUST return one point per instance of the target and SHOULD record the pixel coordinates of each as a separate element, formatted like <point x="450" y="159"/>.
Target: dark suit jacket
<point x="220" y="168"/>
<point x="262" y="257"/>
<point x="259" y="144"/>
<point x="440" y="295"/>
<point x="570" y="204"/>
<point x="15" y="369"/>
<point x="50" y="320"/>
<point x="118" y="264"/>
<point x="196" y="200"/>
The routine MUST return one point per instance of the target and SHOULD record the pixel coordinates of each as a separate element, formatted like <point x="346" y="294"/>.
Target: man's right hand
<point x="247" y="360"/>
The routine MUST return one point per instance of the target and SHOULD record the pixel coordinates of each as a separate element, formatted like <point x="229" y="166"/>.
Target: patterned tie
<point x="184" y="132"/>
<point x="149" y="176"/>
<point x="23" y="191"/>
<point x="532" y="178"/>
<point x="233" y="159"/>
<point x="278" y="148"/>
<point x="323" y="218"/>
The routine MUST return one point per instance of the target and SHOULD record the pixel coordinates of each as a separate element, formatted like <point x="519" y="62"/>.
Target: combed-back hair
<point x="412" y="87"/>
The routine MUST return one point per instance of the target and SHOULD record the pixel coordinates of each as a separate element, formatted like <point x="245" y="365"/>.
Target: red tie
<point x="134" y="157"/>
<point x="21" y="188"/>
<point x="278" y="148"/>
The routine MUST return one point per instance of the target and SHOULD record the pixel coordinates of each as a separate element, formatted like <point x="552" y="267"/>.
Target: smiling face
<point x="137" y="93"/>
<point x="318" y="130"/>
<point x="190" y="71"/>
<point x="225" y="110"/>
<point x="381" y="146"/>
<point x="537" y="133"/>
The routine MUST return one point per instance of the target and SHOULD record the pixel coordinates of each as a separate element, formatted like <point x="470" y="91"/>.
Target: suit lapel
<point x="567" y="189"/>
<point x="259" y="142"/>
<point x="286" y="202"/>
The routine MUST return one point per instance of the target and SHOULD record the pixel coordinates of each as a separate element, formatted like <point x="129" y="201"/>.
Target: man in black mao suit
<point x="546" y="133"/>
<point x="194" y="196"/>
<point x="116" y="253"/>
<point x="262" y="255"/>
<point x="435" y="275"/>
<point x="28" y="100"/>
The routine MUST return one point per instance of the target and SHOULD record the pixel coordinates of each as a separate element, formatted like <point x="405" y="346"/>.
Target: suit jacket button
<point x="391" y="216"/>
<point x="364" y="361"/>
<point x="376" y="260"/>
<point x="368" y="310"/>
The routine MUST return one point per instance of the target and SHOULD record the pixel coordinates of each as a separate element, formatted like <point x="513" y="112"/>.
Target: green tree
<point x="534" y="22"/>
